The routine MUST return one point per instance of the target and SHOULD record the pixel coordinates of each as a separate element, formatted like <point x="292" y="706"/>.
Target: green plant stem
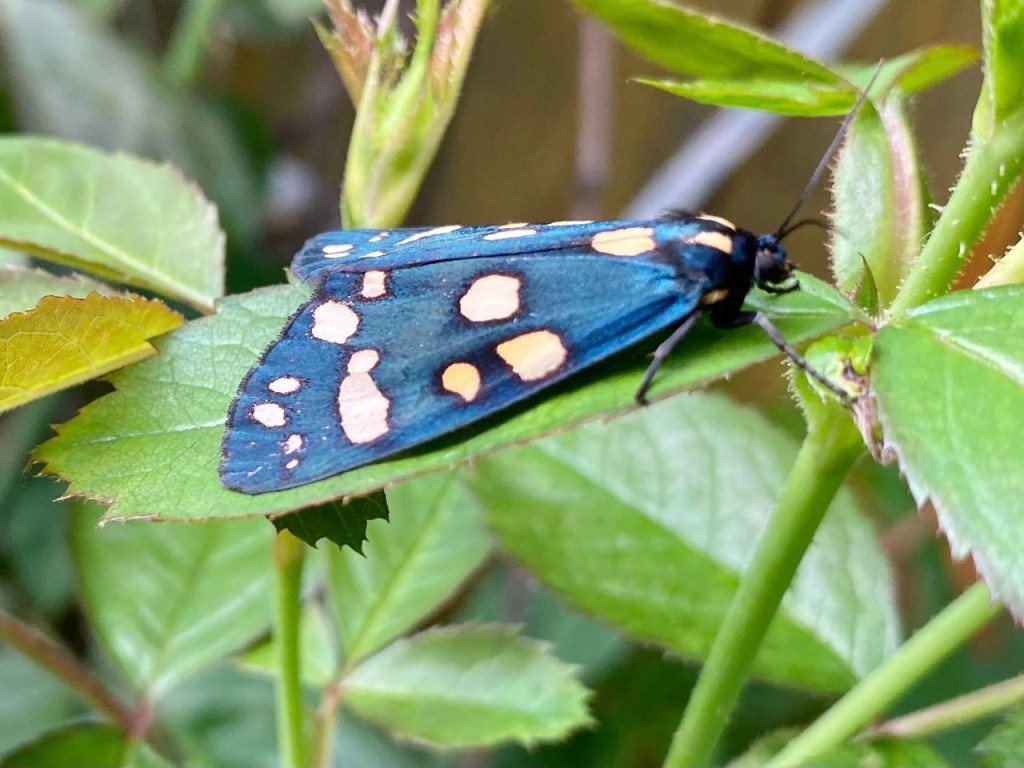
<point x="289" y="556"/>
<point x="915" y="658"/>
<point x="993" y="166"/>
<point x="188" y="41"/>
<point x="61" y="664"/>
<point x="828" y="452"/>
<point x="972" y="706"/>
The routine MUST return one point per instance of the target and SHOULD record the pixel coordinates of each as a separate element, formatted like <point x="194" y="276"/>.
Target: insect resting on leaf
<point x="412" y="334"/>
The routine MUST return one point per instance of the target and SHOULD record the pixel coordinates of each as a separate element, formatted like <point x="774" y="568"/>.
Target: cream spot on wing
<point x="379" y="236"/>
<point x="334" y="322"/>
<point x="270" y="415"/>
<point x="493" y="297"/>
<point x="430" y="233"/>
<point x="509" y="234"/>
<point x="718" y="220"/>
<point x="534" y="355"/>
<point x="713" y="297"/>
<point x="570" y="223"/>
<point x="514" y="226"/>
<point x="284" y="385"/>
<point x="292" y="464"/>
<point x="628" y="241"/>
<point x="334" y="250"/>
<point x="292" y="444"/>
<point x="717" y="240"/>
<point x="363" y="361"/>
<point x="361" y="405"/>
<point x="373" y="284"/>
<point x="372" y="255"/>
<point x="463" y="380"/>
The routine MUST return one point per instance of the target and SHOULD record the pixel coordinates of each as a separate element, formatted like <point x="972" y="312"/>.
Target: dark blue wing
<point x="390" y="355"/>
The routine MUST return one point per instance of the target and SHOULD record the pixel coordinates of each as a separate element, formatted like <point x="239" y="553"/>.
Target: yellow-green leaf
<point x="64" y="341"/>
<point x="22" y="287"/>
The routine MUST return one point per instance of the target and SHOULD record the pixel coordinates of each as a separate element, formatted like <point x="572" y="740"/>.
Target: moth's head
<point x="772" y="267"/>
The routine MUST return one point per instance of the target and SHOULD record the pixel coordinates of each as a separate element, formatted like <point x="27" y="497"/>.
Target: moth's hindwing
<point x="402" y="347"/>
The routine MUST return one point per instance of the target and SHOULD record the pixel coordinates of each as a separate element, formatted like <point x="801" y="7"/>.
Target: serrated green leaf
<point x="343" y="523"/>
<point x="795" y="99"/>
<point x="701" y="46"/>
<point x="648" y="523"/>
<point x="114" y="216"/>
<point x="949" y="386"/>
<point x="319" y="660"/>
<point x="167" y="600"/>
<point x="64" y="341"/>
<point x="1003" y="36"/>
<point x="76" y="79"/>
<point x="1003" y="747"/>
<point x="434" y="541"/>
<point x="152" y="447"/>
<point x="880" y="213"/>
<point x="468" y="686"/>
<point x="97" y="745"/>
<point x="878" y="753"/>
<point x="21" y="287"/>
<point x="592" y="646"/>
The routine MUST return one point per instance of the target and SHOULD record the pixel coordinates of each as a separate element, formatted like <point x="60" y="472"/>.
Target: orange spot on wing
<point x="463" y="380"/>
<point x="533" y="356"/>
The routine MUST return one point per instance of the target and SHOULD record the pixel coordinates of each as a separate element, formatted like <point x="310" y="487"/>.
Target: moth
<point x="413" y="334"/>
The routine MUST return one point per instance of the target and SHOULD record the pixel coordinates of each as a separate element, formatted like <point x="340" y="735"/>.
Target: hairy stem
<point x="993" y="167"/>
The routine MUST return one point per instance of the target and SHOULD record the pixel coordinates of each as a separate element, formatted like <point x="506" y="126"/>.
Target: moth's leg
<point x="757" y="318"/>
<point x="664" y="350"/>
<point x="798" y="360"/>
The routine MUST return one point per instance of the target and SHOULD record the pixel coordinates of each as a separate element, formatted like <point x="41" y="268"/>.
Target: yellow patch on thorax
<point x="717" y="240"/>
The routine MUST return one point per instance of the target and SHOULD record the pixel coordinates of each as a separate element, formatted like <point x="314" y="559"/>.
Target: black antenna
<point x="782" y="231"/>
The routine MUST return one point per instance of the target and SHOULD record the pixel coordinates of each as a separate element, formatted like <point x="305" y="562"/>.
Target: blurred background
<point x="549" y="127"/>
